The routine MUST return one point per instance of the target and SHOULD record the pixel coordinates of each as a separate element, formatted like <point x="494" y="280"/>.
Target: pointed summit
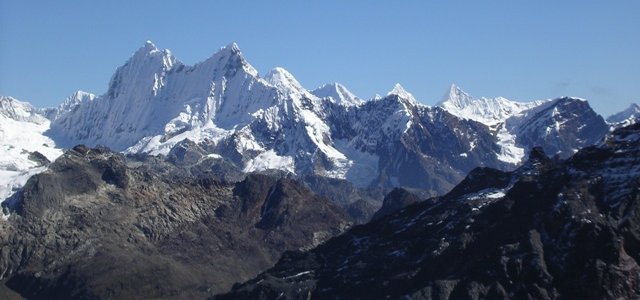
<point x="284" y="81"/>
<point x="143" y="71"/>
<point x="337" y="93"/>
<point x="231" y="49"/>
<point x="402" y="93"/>
<point x="455" y="97"/>
<point x="230" y="57"/>
<point x="627" y="116"/>
<point x="489" y="111"/>
<point x="147" y="49"/>
<point x="77" y="98"/>
<point x="149" y="45"/>
<point x="17" y="110"/>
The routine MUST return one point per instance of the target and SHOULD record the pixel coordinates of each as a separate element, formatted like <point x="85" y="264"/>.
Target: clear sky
<point x="521" y="50"/>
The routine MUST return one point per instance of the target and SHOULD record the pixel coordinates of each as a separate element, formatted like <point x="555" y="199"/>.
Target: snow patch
<point x="269" y="160"/>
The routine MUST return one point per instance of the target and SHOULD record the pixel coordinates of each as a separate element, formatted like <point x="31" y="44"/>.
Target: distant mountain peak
<point x="456" y="97"/>
<point x="74" y="100"/>
<point x="150" y="46"/>
<point x="284" y="81"/>
<point x="401" y="92"/>
<point x="230" y="57"/>
<point x="232" y="49"/>
<point x="337" y="93"/>
<point x="489" y="111"/>
<point x="626" y="117"/>
<point x="19" y="111"/>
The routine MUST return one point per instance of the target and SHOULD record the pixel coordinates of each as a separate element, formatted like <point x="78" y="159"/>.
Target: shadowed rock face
<point x="552" y="229"/>
<point x="99" y="225"/>
<point x="397" y="199"/>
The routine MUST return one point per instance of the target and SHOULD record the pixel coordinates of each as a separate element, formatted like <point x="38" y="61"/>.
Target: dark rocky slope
<point x="552" y="229"/>
<point x="96" y="225"/>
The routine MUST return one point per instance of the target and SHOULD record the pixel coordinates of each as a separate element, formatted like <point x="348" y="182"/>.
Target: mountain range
<point x="188" y="181"/>
<point x="258" y="124"/>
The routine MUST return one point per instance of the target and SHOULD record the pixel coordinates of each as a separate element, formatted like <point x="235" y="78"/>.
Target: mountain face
<point x="96" y="224"/>
<point x="551" y="229"/>
<point x="626" y="117"/>
<point x="484" y="110"/>
<point x="24" y="149"/>
<point x="155" y="95"/>
<point x="561" y="126"/>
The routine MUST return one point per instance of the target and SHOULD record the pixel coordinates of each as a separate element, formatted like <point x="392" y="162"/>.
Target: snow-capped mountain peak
<point x="149" y="46"/>
<point x="455" y="97"/>
<point x="231" y="58"/>
<point x="489" y="111"/>
<point x="143" y="73"/>
<point x="16" y="110"/>
<point x="402" y="93"/>
<point x="337" y="93"/>
<point x="626" y="117"/>
<point x="77" y="98"/>
<point x="284" y="81"/>
<point x="71" y="102"/>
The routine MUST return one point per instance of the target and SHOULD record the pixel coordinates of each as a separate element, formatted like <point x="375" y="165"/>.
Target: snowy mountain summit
<point x="337" y="93"/>
<point x="489" y="111"/>
<point x="561" y="126"/>
<point x="629" y="116"/>
<point x="402" y="93"/>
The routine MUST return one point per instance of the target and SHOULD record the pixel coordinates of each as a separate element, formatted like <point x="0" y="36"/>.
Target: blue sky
<point x="521" y="50"/>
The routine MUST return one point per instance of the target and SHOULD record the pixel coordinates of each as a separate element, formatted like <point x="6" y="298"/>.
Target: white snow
<point x="489" y="111"/>
<point x="402" y="93"/>
<point x="509" y="151"/>
<point x="490" y="193"/>
<point x="337" y="93"/>
<point x="362" y="168"/>
<point x="269" y="160"/>
<point x="21" y="132"/>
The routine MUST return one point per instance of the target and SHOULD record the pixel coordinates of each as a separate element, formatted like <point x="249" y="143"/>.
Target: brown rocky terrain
<point x="97" y="225"/>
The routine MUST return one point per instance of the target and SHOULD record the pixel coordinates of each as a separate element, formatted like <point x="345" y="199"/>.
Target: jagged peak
<point x="283" y="81"/>
<point x="231" y="56"/>
<point x="629" y="114"/>
<point x="150" y="46"/>
<point x="456" y="97"/>
<point x="147" y="49"/>
<point x="337" y="93"/>
<point x="146" y="63"/>
<point x="13" y="102"/>
<point x="8" y="99"/>
<point x="18" y="110"/>
<point x="232" y="49"/>
<point x="401" y="92"/>
<point x="78" y="97"/>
